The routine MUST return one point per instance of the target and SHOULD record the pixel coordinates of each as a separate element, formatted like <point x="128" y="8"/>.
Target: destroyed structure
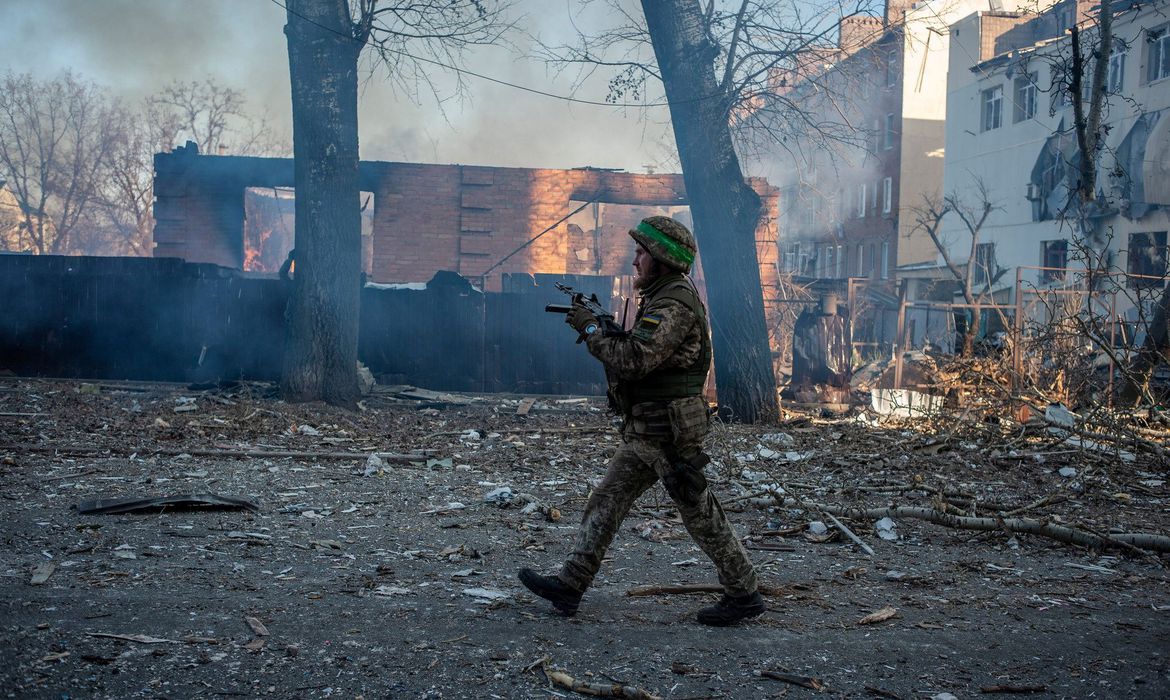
<point x="460" y="262"/>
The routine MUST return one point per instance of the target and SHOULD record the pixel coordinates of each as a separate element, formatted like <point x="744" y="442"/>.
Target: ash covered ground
<point x="397" y="580"/>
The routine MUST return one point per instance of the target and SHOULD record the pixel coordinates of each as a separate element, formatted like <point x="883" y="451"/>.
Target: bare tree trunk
<point x="726" y="210"/>
<point x="320" y="360"/>
<point x="1088" y="126"/>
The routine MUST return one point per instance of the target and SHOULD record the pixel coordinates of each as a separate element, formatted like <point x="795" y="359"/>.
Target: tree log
<point x="1061" y="533"/>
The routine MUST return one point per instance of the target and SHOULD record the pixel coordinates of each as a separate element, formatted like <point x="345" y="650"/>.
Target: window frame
<point x="1025" y="97"/>
<point x="1150" y="276"/>
<point x="985" y="260"/>
<point x="1054" y="273"/>
<point x="1115" y="76"/>
<point x="989" y="99"/>
<point x="887" y="194"/>
<point x="888" y="141"/>
<point x="1157" y="53"/>
<point x="861" y="200"/>
<point x="885" y="266"/>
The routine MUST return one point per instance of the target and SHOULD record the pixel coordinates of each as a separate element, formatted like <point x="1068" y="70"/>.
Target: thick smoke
<point x="135" y="48"/>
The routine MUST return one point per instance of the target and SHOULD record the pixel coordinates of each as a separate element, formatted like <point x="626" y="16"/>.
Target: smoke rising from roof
<point x="135" y="48"/>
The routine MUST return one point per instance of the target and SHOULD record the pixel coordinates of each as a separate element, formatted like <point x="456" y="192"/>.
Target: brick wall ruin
<point x="476" y="221"/>
<point x="427" y="218"/>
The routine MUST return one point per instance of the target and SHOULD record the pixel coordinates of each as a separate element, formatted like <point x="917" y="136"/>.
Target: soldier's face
<point x="646" y="267"/>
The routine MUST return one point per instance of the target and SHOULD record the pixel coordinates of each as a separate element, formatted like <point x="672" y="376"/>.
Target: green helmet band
<point x="665" y="241"/>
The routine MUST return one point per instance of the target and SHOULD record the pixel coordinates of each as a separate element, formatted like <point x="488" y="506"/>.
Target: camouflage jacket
<point x="666" y="334"/>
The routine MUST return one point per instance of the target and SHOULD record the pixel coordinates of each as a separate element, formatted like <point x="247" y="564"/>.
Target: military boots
<point x="730" y="610"/>
<point x="564" y="597"/>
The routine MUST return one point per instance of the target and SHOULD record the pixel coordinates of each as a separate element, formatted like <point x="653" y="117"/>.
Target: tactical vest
<point x="670" y="383"/>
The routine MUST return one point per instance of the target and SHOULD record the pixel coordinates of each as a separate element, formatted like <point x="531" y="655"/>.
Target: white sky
<point x="135" y="47"/>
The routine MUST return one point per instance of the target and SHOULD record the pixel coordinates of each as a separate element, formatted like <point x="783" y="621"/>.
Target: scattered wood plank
<point x="256" y="626"/>
<point x="849" y="533"/>
<point x="137" y="638"/>
<point x="878" y="616"/>
<point x="771" y="547"/>
<point x="803" y="681"/>
<point x="191" y="501"/>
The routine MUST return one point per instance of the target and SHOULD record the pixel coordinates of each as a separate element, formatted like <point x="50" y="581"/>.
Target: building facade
<point x="846" y="208"/>
<point x="1011" y="134"/>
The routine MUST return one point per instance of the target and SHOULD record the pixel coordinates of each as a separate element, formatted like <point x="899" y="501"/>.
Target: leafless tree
<point x="207" y="112"/>
<point x="325" y="40"/>
<point x="975" y="275"/>
<point x="722" y="66"/>
<point x="213" y="115"/>
<point x="56" y="137"/>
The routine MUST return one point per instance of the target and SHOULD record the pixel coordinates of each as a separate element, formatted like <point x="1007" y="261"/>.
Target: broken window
<point x="596" y="240"/>
<point x="1136" y="159"/>
<point x="1157" y="54"/>
<point x="1147" y="259"/>
<point x="270" y="228"/>
<point x="1054" y="260"/>
<point x="1051" y="184"/>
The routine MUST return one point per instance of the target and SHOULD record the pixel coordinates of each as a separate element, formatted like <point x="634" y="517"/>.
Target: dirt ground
<point x="354" y="579"/>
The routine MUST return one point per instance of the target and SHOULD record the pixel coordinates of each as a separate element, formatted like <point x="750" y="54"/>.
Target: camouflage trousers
<point x="636" y="466"/>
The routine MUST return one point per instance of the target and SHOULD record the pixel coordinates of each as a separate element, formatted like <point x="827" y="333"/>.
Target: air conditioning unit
<point x="1032" y="192"/>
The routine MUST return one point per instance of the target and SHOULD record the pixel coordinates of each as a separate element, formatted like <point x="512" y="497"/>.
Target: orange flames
<point x="254" y="254"/>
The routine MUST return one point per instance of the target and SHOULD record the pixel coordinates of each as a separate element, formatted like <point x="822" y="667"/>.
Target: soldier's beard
<point x="646" y="276"/>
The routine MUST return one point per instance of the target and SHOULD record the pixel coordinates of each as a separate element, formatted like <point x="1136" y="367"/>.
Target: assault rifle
<point x="591" y="304"/>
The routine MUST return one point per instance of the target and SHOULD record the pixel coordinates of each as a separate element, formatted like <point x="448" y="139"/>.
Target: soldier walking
<point x="660" y="366"/>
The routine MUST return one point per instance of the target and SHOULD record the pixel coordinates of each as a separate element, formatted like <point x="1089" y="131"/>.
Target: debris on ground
<point x="260" y="548"/>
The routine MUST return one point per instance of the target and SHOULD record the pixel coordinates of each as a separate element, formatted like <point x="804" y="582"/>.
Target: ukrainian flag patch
<point x="646" y="326"/>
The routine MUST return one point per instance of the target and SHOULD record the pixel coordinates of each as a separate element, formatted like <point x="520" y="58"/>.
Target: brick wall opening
<point x="270" y="225"/>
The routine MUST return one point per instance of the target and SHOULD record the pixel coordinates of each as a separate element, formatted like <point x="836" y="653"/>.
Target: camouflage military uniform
<point x="660" y="438"/>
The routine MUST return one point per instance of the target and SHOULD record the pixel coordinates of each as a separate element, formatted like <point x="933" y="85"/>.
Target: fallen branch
<point x="1060" y="533"/>
<point x="612" y="690"/>
<point x="849" y="533"/>
<point x="1050" y="499"/>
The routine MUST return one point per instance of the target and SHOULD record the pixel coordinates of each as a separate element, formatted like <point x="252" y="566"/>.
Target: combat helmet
<point x="667" y="241"/>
